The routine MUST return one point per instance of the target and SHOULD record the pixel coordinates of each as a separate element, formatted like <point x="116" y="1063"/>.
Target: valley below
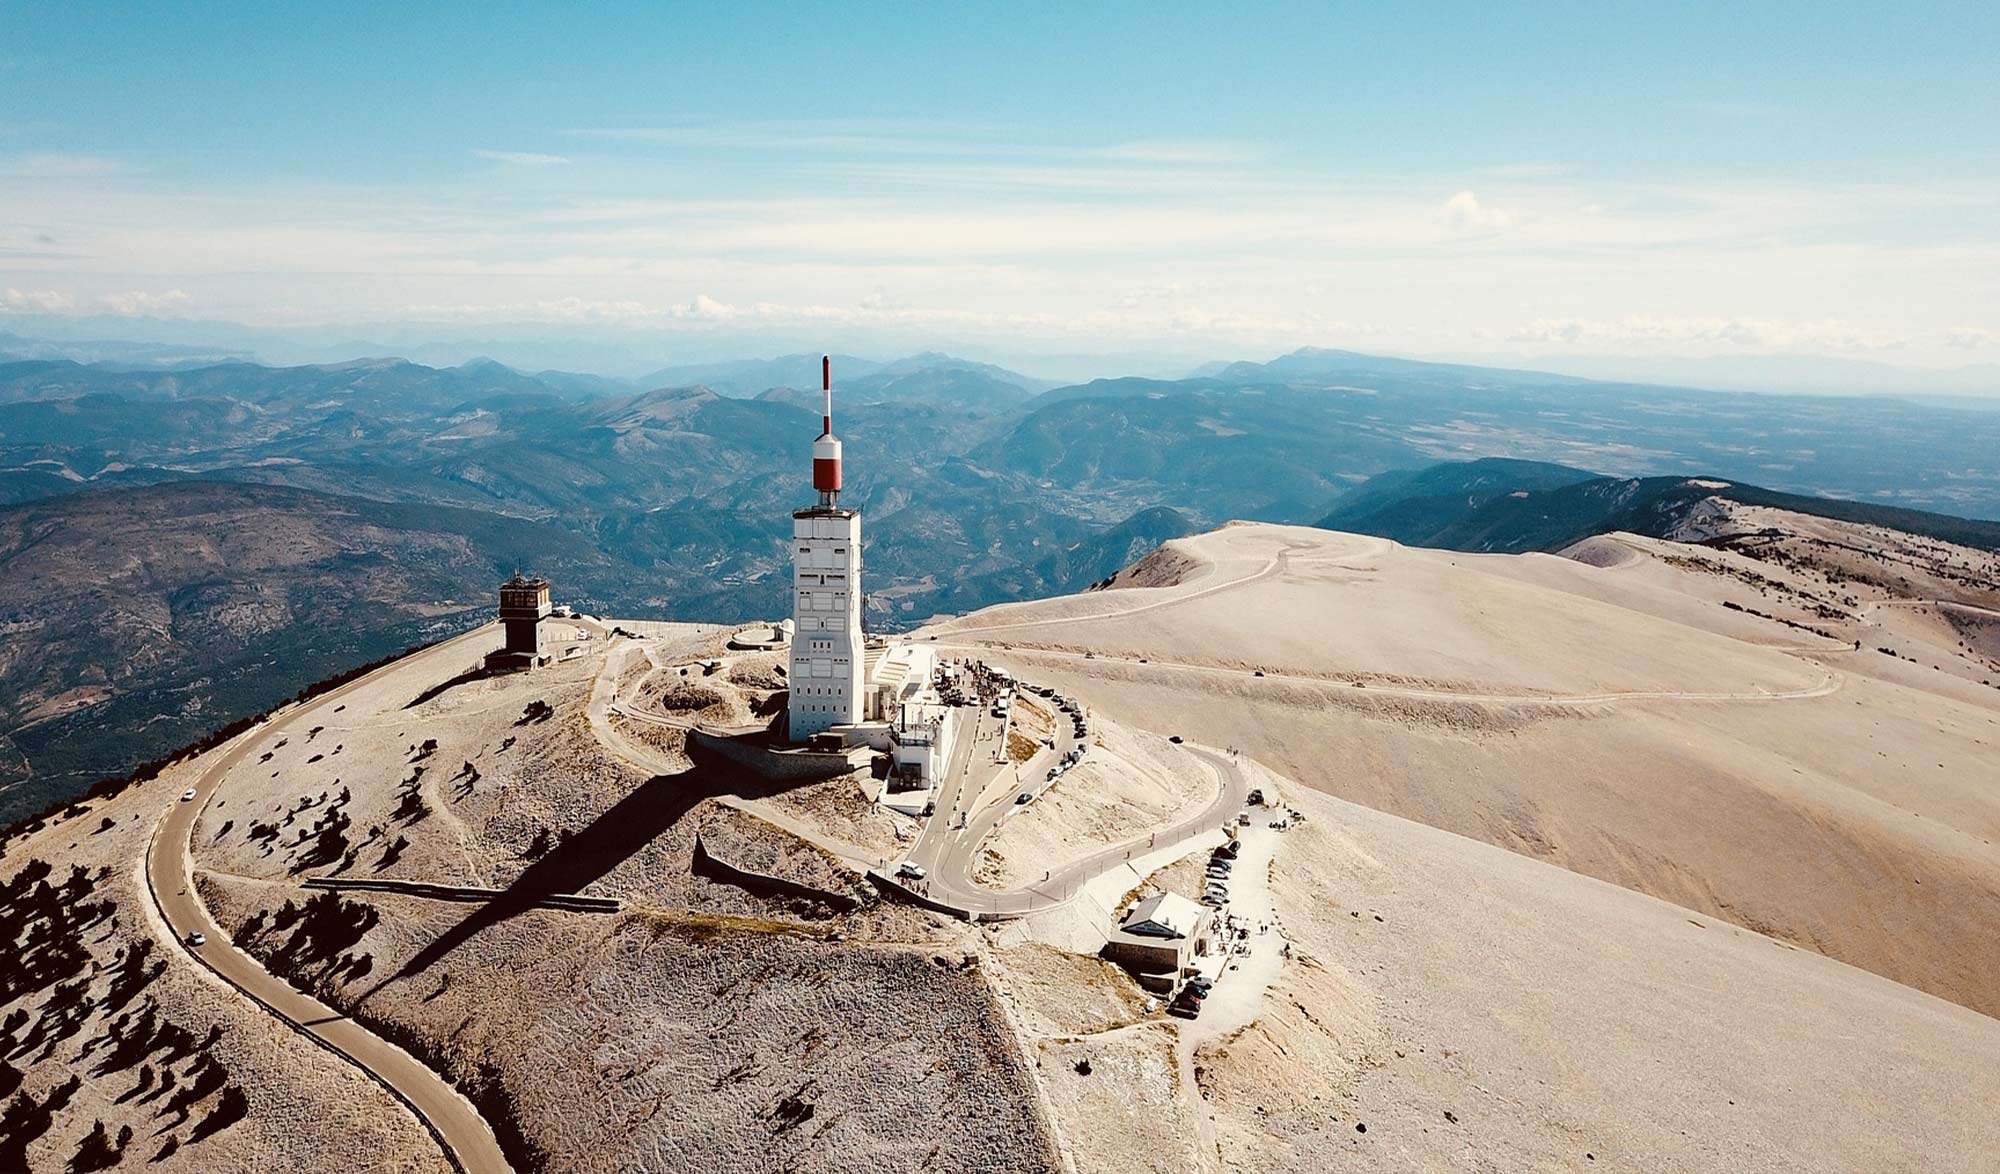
<point x="183" y="547"/>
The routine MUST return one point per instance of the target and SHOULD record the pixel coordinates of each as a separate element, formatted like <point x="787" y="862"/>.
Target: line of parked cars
<point x="1078" y="726"/>
<point x="1067" y="704"/>
<point x="1066" y="761"/>
<point x="1187" y="1003"/>
<point x="1216" y="894"/>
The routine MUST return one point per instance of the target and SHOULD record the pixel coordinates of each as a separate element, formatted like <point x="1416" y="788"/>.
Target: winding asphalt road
<point x="951" y="881"/>
<point x="467" y="1140"/>
<point x="946" y="852"/>
<point x="1830" y="683"/>
<point x="975" y="638"/>
<point x="1274" y="565"/>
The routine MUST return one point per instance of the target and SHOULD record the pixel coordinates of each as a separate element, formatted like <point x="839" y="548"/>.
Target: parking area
<point x="1248" y="946"/>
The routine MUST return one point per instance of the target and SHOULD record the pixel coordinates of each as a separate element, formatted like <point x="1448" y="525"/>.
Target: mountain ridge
<point x="1510" y="506"/>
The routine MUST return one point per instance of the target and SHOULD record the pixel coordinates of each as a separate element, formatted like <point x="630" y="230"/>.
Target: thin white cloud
<point x="1466" y="211"/>
<point x="522" y="158"/>
<point x="1970" y="338"/>
<point x="36" y="301"/>
<point x="1003" y="241"/>
<point x="142" y="303"/>
<point x="871" y="144"/>
<point x="1529" y="170"/>
<point x="702" y="308"/>
<point x="59" y="165"/>
<point x="1656" y="331"/>
<point x="792" y="137"/>
<point x="1218" y="151"/>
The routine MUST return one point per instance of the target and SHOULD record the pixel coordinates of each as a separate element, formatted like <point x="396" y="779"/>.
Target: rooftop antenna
<point x="826" y="450"/>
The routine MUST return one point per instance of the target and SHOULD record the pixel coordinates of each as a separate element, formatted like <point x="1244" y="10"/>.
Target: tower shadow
<point x="577" y="861"/>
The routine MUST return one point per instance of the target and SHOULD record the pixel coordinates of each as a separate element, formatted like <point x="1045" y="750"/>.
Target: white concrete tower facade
<point x="827" y="647"/>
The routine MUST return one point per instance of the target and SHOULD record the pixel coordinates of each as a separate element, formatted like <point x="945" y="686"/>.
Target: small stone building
<point x="524" y="604"/>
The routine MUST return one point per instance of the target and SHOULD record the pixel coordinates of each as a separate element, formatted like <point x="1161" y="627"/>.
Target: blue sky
<point x="1458" y="179"/>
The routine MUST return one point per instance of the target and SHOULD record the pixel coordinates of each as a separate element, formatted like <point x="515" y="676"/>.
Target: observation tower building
<point x="827" y="648"/>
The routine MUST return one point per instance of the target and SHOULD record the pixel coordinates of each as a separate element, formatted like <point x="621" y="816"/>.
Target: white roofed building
<point x="1163" y="915"/>
<point x="1159" y="938"/>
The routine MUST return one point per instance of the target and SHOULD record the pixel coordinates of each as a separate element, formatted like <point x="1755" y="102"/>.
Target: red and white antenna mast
<point x="826" y="450"/>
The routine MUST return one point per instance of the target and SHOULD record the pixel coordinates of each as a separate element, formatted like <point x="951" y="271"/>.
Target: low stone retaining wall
<point x="708" y="865"/>
<point x="897" y="889"/>
<point x="463" y="894"/>
<point x="770" y="762"/>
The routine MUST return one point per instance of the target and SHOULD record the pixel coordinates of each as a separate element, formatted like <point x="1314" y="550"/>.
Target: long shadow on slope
<point x="579" y="860"/>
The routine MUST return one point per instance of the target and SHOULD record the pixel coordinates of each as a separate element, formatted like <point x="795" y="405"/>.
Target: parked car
<point x="187" y="795"/>
<point x="1256" y="798"/>
<point x="1174" y="738"/>
<point x="1022" y="798"/>
<point x="197" y="938"/>
<point x="910" y="870"/>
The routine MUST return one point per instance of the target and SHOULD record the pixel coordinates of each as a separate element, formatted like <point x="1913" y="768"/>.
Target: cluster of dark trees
<point x="53" y="987"/>
<point x="311" y="945"/>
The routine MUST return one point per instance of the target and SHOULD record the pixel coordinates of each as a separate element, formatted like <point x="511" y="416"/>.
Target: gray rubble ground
<point x="710" y="1024"/>
<point x="650" y="1040"/>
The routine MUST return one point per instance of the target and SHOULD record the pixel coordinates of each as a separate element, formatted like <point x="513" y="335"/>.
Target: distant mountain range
<point x="926" y="378"/>
<point x="1510" y="506"/>
<point x="1789" y="374"/>
<point x="138" y="497"/>
<point x="113" y="352"/>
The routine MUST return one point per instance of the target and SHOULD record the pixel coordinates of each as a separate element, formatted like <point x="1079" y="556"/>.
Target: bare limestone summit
<point x="827" y="656"/>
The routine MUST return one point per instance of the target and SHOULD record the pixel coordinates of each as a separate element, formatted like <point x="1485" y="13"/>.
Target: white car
<point x="187" y="796"/>
<point x="197" y="938"/>
<point x="911" y="870"/>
